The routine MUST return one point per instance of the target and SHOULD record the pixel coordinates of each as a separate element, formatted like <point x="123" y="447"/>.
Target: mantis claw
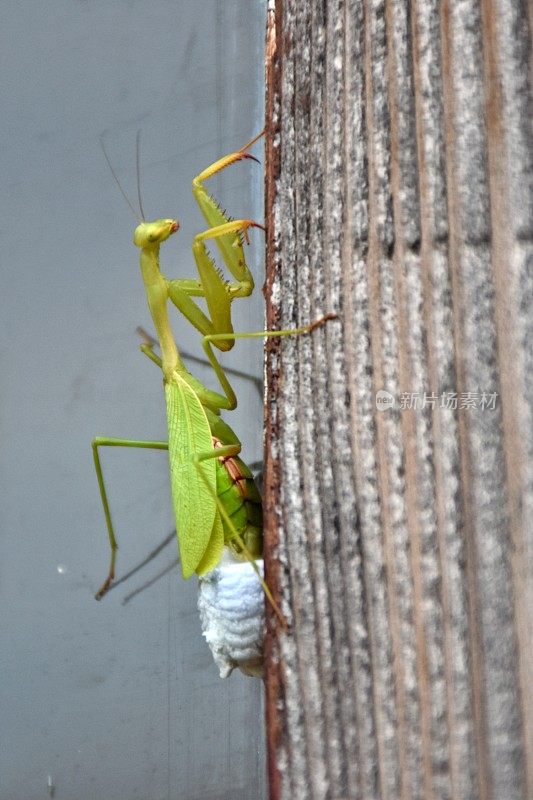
<point x="250" y="223"/>
<point x="105" y="587"/>
<point x="321" y="320"/>
<point x="252" y="158"/>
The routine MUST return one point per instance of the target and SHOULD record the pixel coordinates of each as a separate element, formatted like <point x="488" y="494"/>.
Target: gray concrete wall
<point x="111" y="700"/>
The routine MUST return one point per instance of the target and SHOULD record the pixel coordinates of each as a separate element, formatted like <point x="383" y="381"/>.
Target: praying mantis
<point x="215" y="500"/>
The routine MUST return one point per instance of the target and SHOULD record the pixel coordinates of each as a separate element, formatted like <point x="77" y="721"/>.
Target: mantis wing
<point x="213" y="552"/>
<point x="189" y="435"/>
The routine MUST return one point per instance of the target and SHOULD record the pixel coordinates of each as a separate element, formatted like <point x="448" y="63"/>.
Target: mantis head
<point x="148" y="234"/>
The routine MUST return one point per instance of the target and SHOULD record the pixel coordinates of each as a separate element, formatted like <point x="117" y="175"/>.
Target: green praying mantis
<point x="215" y="500"/>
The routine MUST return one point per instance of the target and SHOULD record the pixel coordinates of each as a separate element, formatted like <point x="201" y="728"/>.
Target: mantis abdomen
<point x="238" y="493"/>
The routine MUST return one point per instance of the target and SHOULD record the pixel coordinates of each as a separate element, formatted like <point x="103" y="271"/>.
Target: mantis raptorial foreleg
<point x="227" y="234"/>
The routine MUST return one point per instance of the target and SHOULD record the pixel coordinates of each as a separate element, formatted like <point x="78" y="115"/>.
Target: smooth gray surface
<point x="110" y="700"/>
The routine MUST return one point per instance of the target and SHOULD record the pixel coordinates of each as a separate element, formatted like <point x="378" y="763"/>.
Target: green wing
<point x="213" y="552"/>
<point x="194" y="504"/>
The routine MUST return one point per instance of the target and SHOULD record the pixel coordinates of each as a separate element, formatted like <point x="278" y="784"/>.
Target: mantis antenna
<point x="114" y="174"/>
<point x="138" y="153"/>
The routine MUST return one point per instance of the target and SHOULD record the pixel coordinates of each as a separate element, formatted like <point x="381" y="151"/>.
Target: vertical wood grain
<point x="400" y="542"/>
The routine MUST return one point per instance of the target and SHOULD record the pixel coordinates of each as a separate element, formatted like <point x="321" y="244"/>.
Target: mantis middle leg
<point x="228" y="401"/>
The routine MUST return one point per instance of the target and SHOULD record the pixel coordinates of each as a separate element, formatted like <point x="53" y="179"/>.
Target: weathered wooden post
<point x="399" y="479"/>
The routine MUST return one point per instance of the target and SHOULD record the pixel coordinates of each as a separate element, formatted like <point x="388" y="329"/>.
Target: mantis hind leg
<point x="104" y="441"/>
